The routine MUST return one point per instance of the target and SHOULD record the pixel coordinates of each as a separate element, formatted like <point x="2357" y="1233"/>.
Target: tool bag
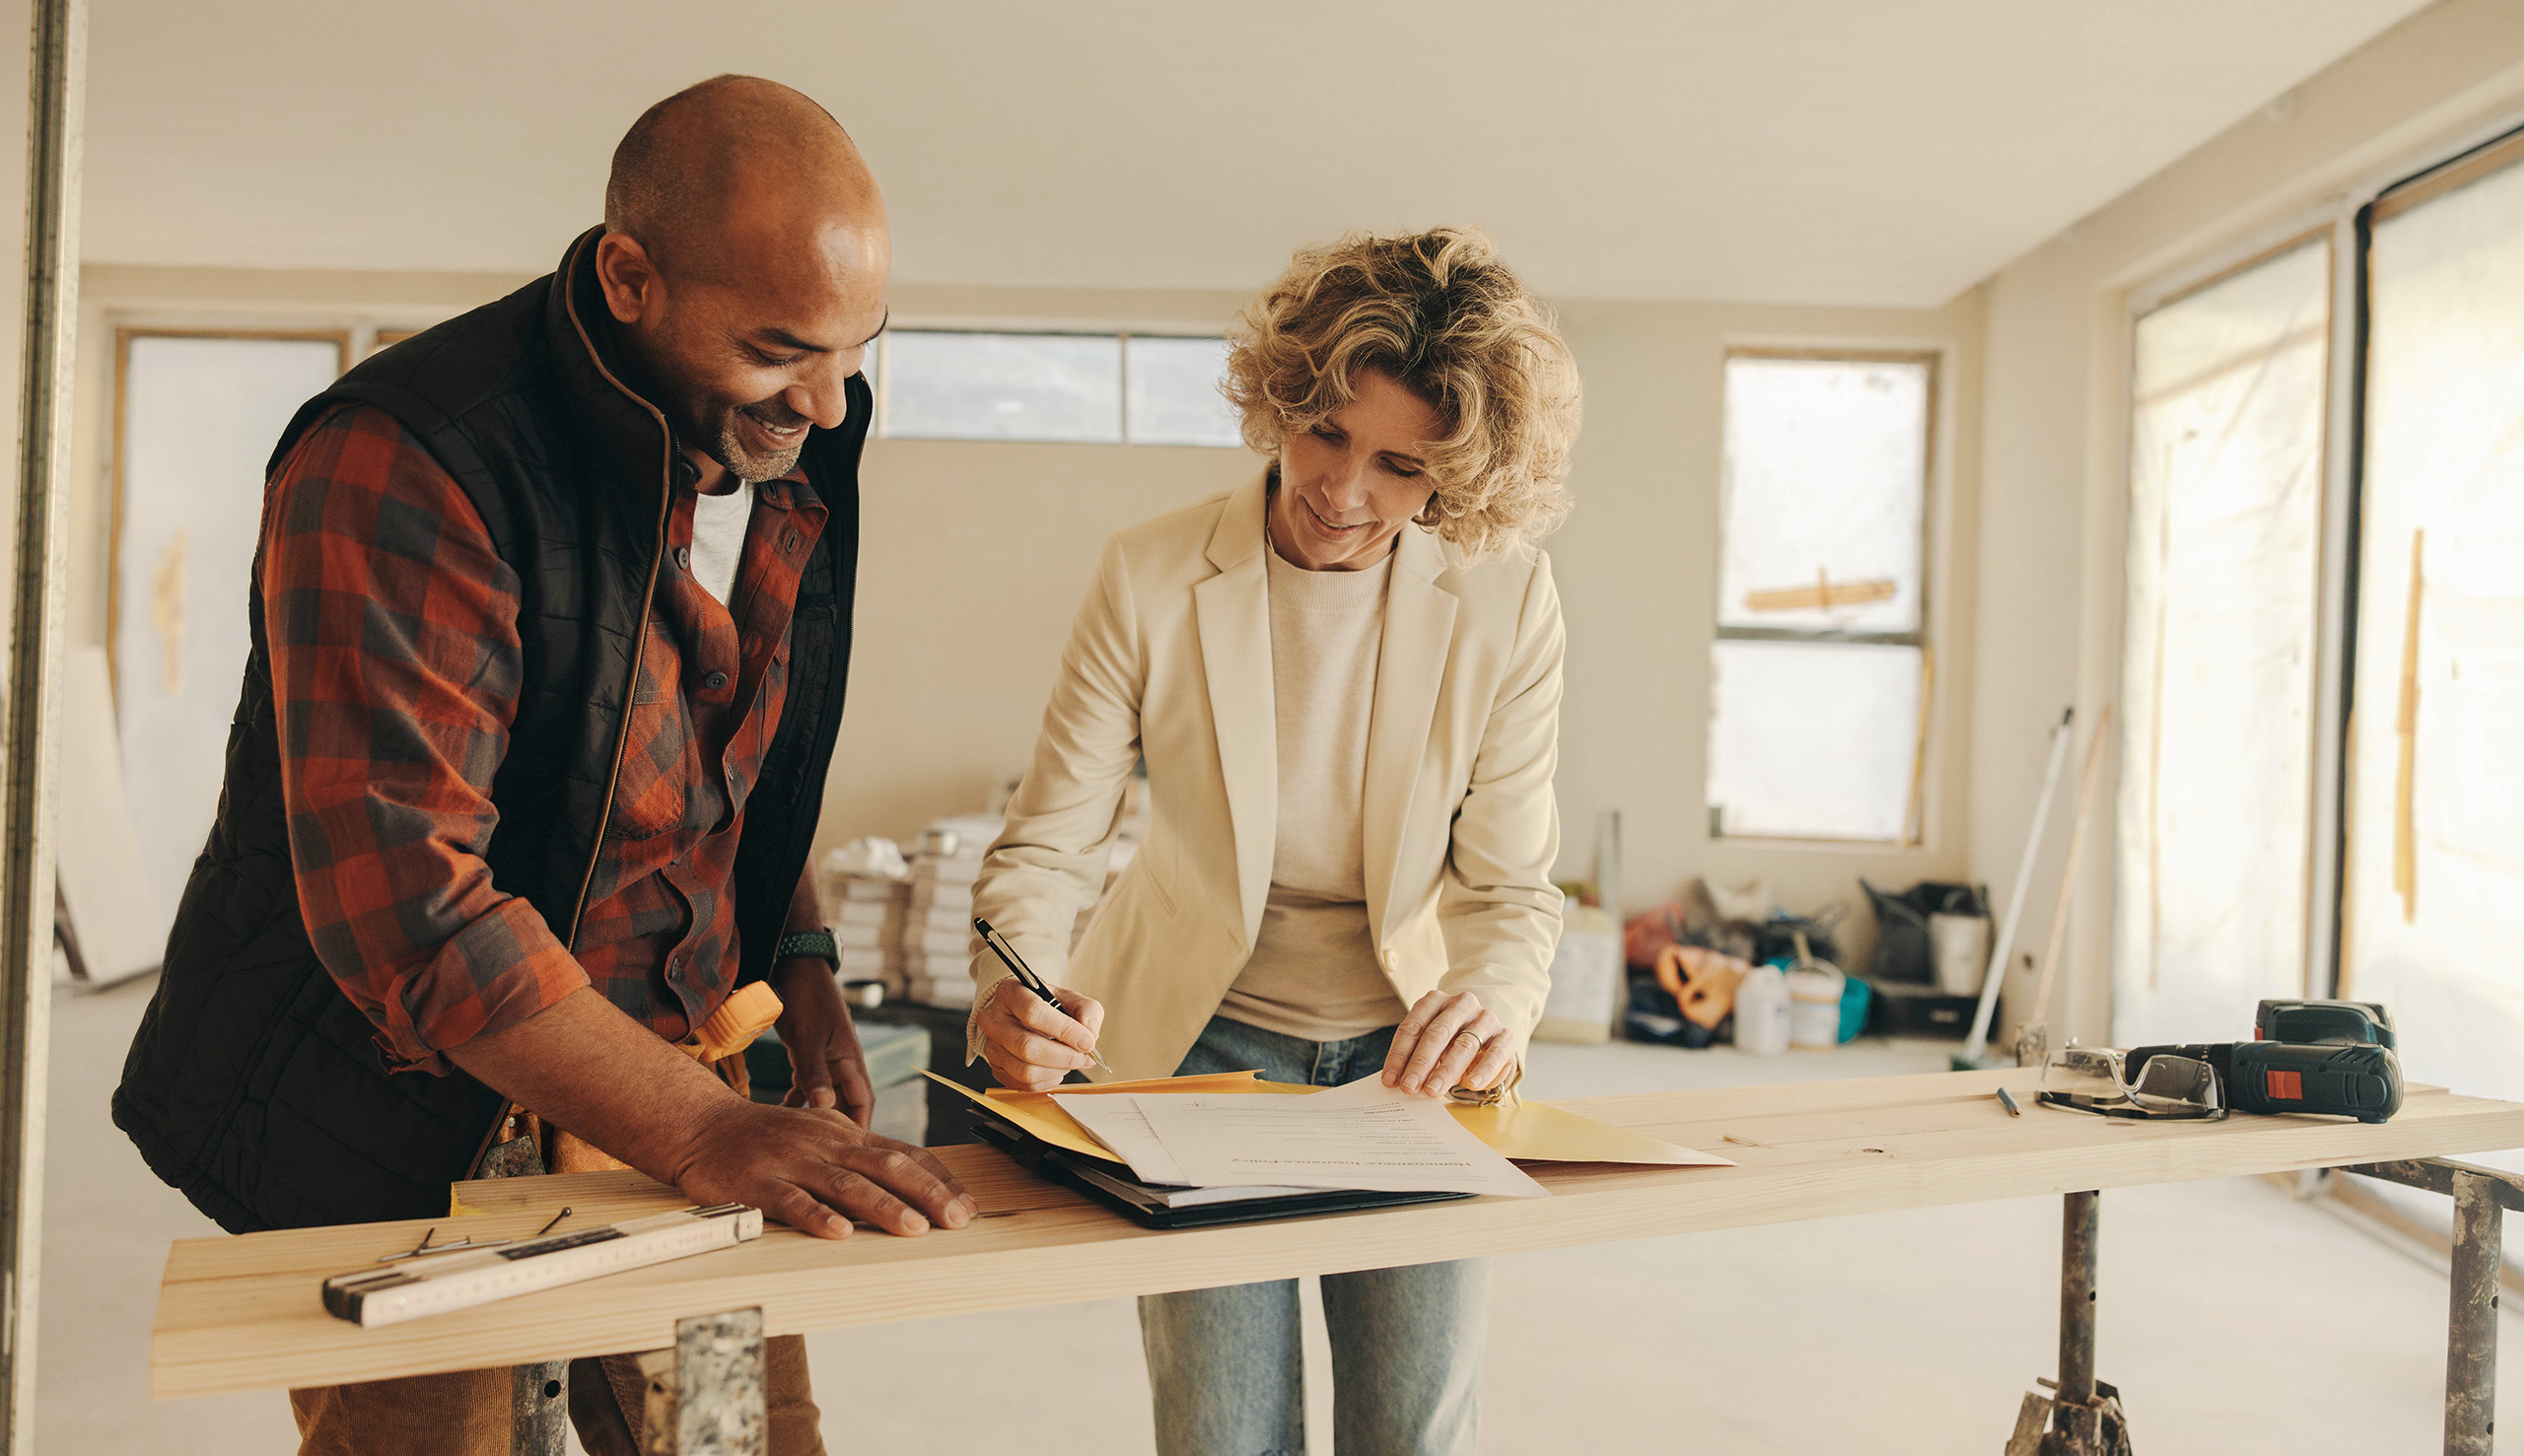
<point x="1903" y="950"/>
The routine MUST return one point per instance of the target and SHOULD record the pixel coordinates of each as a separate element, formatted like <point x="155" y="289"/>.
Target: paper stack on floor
<point x="936" y="941"/>
<point x="863" y="886"/>
<point x="1363" y="1136"/>
<point x="866" y="926"/>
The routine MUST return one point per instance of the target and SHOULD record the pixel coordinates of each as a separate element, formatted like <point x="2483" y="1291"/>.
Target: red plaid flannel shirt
<point x="395" y="666"/>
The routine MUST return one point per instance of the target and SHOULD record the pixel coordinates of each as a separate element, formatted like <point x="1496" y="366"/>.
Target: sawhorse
<point x="2082" y="1416"/>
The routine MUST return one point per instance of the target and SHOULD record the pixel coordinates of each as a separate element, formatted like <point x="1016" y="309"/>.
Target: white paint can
<point x="1959" y="947"/>
<point x="1815" y="1006"/>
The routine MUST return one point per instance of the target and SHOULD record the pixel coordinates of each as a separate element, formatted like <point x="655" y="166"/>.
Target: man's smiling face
<point x="745" y="353"/>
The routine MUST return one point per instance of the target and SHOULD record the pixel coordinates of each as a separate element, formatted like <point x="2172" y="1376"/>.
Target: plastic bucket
<point x="1761" y="1013"/>
<point x="1814" y="1007"/>
<point x="1960" y="946"/>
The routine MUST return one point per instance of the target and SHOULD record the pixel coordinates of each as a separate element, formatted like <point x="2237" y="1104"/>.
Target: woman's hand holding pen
<point x="1029" y="1046"/>
<point x="1448" y="1042"/>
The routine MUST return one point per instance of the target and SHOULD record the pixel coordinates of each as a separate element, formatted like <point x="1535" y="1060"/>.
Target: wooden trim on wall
<point x="1829" y="354"/>
<point x="2460" y="172"/>
<point x="2301" y="238"/>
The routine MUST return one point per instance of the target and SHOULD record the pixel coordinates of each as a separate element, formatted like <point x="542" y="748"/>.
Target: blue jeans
<point x="1224" y="1366"/>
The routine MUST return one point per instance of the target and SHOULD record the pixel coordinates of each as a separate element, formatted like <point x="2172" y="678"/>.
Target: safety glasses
<point x="2098" y="1080"/>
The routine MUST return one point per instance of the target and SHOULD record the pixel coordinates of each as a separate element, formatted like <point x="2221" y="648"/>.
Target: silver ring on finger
<point x="1469" y="1038"/>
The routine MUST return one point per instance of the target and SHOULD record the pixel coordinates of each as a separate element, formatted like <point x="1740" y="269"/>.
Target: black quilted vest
<point x="256" y="1087"/>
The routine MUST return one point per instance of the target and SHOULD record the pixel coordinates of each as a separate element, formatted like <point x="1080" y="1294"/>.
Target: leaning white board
<point x="117" y="918"/>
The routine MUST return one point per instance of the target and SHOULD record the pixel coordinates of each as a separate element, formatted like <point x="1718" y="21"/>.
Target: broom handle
<point x="1980" y="1039"/>
<point x="2069" y="872"/>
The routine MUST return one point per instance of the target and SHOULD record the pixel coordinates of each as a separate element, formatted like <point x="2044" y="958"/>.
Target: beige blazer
<point x="1170" y="659"/>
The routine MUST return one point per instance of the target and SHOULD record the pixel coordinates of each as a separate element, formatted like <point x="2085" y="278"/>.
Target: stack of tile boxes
<point x="936" y="941"/>
<point x="923" y="928"/>
<point x="867" y="924"/>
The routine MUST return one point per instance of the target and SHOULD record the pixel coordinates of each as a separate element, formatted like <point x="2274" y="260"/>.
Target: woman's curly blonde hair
<point x="1441" y="313"/>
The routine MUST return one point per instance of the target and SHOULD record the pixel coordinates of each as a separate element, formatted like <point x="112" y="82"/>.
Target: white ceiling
<point x="1888" y="152"/>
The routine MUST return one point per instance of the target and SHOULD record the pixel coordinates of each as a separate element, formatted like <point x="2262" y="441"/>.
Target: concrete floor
<point x="2235" y="1319"/>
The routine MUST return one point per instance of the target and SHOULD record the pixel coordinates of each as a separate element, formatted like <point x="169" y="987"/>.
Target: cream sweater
<point x="1313" y="973"/>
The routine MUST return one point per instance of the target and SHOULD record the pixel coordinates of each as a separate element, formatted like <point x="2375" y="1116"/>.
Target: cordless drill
<point x="2332" y="1057"/>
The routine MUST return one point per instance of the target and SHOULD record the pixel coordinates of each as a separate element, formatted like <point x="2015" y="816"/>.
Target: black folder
<point x="1113" y="1184"/>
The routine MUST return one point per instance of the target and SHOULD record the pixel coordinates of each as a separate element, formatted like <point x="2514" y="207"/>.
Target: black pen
<point x="1024" y="974"/>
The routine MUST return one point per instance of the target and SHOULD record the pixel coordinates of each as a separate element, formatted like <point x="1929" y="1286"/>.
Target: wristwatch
<point x="816" y="942"/>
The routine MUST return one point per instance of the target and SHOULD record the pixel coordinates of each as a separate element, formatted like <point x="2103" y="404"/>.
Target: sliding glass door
<point x="2432" y="913"/>
<point x="2217" y="676"/>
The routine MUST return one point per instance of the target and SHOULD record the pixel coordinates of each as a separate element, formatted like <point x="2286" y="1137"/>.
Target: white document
<point x="1361" y="1135"/>
<point x="1115" y="1119"/>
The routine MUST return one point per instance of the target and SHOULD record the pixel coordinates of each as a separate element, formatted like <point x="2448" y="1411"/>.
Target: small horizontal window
<point x="1175" y="396"/>
<point x="1053" y="387"/>
<point x="1040" y="386"/>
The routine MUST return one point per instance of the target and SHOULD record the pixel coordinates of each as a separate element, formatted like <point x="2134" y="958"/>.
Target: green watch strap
<point x="818" y="943"/>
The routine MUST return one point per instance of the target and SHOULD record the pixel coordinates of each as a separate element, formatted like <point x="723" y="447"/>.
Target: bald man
<point x="550" y="622"/>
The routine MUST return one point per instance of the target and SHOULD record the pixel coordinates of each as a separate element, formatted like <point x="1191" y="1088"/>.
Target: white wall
<point x="2056" y="411"/>
<point x="1637" y="567"/>
<point x="977" y="554"/>
<point x="974" y="555"/>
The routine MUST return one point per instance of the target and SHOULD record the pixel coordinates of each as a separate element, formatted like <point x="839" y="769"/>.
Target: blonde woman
<point x="1344" y="678"/>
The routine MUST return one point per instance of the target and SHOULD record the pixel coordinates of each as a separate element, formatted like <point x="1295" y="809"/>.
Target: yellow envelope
<point x="1538" y="1131"/>
<point x="1038" y="1114"/>
<point x="1535" y="1132"/>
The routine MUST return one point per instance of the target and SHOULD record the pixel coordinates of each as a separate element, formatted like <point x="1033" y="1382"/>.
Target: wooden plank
<point x="2406" y="729"/>
<point x="1825" y="592"/>
<point x="242" y="1313"/>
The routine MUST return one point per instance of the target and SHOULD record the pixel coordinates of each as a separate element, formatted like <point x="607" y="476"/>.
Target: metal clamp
<point x="2082" y="1416"/>
<point x="706" y="1395"/>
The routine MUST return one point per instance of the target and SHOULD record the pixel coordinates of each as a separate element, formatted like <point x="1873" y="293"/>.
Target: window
<point x="2238" y="691"/>
<point x="1819" y="690"/>
<point x="197" y="417"/>
<point x="1174" y="394"/>
<point x="1061" y="388"/>
<point x="2432" y="893"/>
<point x="2215" y="825"/>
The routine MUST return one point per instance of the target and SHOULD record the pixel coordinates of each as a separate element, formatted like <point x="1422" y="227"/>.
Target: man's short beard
<point x="717" y="437"/>
<point x="744" y="464"/>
